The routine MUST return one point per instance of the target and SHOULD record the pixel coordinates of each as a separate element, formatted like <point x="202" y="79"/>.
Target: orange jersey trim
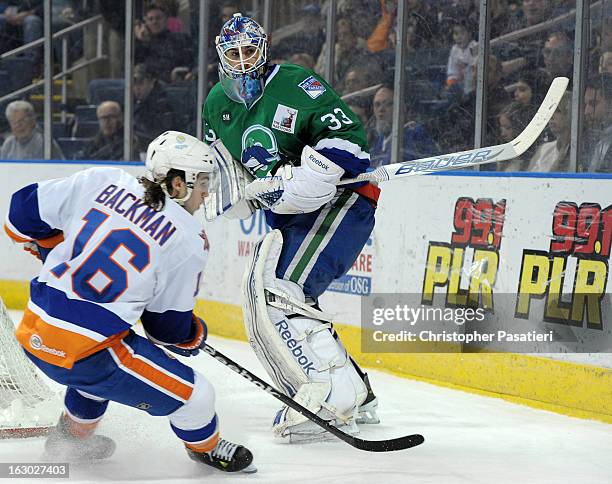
<point x="150" y="373"/>
<point x="58" y="346"/>
<point x="51" y="242"/>
<point x="47" y="243"/>
<point x="14" y="236"/>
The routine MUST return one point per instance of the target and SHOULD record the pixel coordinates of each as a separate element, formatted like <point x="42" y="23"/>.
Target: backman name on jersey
<point x="136" y="211"/>
<point x="312" y="87"/>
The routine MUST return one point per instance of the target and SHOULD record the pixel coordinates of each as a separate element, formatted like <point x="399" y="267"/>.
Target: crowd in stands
<point x="532" y="42"/>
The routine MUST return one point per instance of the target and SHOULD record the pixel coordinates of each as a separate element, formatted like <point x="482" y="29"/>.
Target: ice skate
<point x="227" y="457"/>
<point x="63" y="445"/>
<point x="299" y="430"/>
<point x="366" y="413"/>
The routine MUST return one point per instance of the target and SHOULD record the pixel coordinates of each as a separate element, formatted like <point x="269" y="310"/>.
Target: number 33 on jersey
<point x="297" y="108"/>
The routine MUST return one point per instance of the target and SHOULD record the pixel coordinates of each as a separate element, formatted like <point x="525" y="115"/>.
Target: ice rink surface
<point x="468" y="439"/>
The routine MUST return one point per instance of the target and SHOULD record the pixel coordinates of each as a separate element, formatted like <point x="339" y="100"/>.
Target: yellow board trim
<point x="563" y="387"/>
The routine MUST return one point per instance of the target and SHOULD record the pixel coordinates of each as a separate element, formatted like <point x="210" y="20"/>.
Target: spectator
<point x="108" y="143"/>
<point x="458" y="125"/>
<point x="533" y="13"/>
<point x="175" y="25"/>
<point x="153" y="112"/>
<point x="361" y="106"/>
<point x="159" y="48"/>
<point x="558" y="56"/>
<point x="302" y="59"/>
<point x="350" y="50"/>
<point x="422" y="21"/>
<point x="417" y="140"/>
<point x="22" y="21"/>
<point x="359" y="78"/>
<point x="512" y="120"/>
<point x="463" y="55"/>
<point x="225" y="14"/>
<point x="554" y="155"/>
<point x="554" y="59"/>
<point x="26" y="140"/>
<point x="605" y="63"/>
<point x="365" y="21"/>
<point x="525" y="91"/>
<point x="536" y="11"/>
<point x="306" y="35"/>
<point x="598" y="117"/>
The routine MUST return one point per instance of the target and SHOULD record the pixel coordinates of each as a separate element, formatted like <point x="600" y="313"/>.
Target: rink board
<point x="417" y="217"/>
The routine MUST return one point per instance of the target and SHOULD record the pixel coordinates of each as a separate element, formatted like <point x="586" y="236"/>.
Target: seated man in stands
<point x="22" y="23"/>
<point x="598" y="117"/>
<point x="418" y="143"/>
<point x="153" y="111"/>
<point x="554" y="155"/>
<point x="26" y="140"/>
<point x="108" y="143"/>
<point x="160" y="49"/>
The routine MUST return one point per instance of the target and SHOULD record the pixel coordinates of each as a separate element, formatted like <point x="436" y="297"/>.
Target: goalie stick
<point x="399" y="443"/>
<point x="478" y="156"/>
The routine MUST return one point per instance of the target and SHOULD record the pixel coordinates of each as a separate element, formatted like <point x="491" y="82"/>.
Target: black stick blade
<point x="390" y="445"/>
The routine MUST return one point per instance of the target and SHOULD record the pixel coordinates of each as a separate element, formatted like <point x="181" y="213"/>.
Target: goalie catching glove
<point x="301" y="189"/>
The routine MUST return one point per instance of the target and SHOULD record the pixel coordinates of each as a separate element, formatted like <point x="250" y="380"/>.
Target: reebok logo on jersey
<point x="36" y="343"/>
<point x="312" y="87"/>
<point x="284" y="119"/>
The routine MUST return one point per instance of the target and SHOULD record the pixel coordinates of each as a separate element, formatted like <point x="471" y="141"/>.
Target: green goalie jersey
<point x="297" y="108"/>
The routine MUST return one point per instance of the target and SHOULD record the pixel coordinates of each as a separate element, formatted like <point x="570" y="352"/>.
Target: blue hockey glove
<point x="193" y="346"/>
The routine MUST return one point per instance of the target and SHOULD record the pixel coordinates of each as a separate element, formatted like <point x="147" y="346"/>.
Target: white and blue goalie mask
<point x="242" y="47"/>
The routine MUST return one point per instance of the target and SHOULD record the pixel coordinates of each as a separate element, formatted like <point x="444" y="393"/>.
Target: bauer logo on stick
<point x="312" y="87"/>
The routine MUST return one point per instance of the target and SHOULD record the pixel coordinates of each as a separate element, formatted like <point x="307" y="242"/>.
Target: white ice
<point x="468" y="439"/>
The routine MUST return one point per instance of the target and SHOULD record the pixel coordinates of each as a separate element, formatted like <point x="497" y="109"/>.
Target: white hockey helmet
<point x="179" y="151"/>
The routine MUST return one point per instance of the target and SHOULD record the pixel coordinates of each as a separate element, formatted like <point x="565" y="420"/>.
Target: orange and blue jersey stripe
<point x="60" y="330"/>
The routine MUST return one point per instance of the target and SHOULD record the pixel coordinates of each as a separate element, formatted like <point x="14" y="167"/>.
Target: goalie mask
<point x="179" y="151"/>
<point x="242" y="47"/>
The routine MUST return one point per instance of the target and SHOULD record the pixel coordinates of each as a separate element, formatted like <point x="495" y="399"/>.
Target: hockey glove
<point x="303" y="189"/>
<point x="41" y="248"/>
<point x="193" y="346"/>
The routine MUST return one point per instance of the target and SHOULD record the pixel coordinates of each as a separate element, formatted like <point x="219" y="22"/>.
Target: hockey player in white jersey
<point x="116" y="251"/>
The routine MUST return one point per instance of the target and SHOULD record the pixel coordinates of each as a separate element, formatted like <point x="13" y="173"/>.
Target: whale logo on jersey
<point x="259" y="150"/>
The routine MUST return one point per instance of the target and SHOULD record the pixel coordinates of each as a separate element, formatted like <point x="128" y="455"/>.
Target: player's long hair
<point x="155" y="193"/>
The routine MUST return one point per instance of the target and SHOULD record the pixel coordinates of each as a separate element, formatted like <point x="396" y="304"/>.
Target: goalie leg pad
<point x="299" y="352"/>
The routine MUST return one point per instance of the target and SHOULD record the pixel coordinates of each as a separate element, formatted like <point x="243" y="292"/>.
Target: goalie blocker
<point x="299" y="351"/>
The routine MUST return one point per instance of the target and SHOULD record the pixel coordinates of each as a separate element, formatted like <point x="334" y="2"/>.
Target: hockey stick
<point x="479" y="156"/>
<point x="399" y="443"/>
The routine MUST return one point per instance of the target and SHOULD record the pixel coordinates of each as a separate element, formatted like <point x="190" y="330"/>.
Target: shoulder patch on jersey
<point x="284" y="119"/>
<point x="312" y="87"/>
